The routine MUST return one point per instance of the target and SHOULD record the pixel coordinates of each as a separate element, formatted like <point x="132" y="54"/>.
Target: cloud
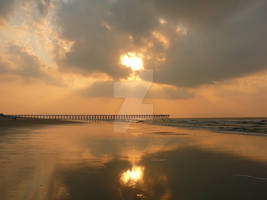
<point x="128" y="89"/>
<point x="5" y="8"/>
<point x="199" y="13"/>
<point x="19" y="62"/>
<point x="221" y="51"/>
<point x="40" y="8"/>
<point x="199" y="42"/>
<point x="100" y="89"/>
<point x="95" y="48"/>
<point x="137" y="17"/>
<point x="27" y="64"/>
<point x="43" y="6"/>
<point x="221" y="39"/>
<point x="100" y="31"/>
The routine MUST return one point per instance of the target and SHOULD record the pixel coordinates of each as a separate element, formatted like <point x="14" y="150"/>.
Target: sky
<point x="187" y="58"/>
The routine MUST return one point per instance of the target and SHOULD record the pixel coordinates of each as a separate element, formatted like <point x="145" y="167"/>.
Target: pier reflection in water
<point x="91" y="161"/>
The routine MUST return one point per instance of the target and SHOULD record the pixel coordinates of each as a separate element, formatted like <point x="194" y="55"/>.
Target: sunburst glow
<point x="133" y="61"/>
<point x="131" y="177"/>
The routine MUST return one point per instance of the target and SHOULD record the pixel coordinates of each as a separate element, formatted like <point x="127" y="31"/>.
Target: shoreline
<point x="256" y="127"/>
<point x="8" y="124"/>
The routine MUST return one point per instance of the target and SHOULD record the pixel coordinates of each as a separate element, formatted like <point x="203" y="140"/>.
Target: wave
<point x="254" y="126"/>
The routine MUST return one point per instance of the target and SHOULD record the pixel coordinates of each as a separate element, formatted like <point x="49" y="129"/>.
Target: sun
<point x="132" y="61"/>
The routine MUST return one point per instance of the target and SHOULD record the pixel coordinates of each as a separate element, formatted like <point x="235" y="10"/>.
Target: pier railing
<point x="90" y="117"/>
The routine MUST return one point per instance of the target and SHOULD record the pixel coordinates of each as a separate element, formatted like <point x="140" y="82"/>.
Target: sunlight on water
<point x="132" y="176"/>
<point x="93" y="161"/>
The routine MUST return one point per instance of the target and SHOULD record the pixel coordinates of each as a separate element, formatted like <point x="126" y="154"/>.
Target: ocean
<point x="170" y="159"/>
<point x="251" y="126"/>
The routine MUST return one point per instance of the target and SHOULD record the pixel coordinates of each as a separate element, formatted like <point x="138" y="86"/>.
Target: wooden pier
<point x="89" y="117"/>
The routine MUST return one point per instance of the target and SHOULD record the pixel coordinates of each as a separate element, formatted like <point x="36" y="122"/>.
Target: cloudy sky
<point x="188" y="58"/>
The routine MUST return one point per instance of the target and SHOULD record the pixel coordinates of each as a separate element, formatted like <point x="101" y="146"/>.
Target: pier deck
<point x="89" y="117"/>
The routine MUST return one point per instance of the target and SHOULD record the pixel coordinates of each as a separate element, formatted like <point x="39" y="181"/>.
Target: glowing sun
<point x="133" y="61"/>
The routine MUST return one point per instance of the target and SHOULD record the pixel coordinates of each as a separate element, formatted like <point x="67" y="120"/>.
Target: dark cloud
<point x="17" y="61"/>
<point x="96" y="49"/>
<point x="205" y="12"/>
<point x="223" y="51"/>
<point x="100" y="30"/>
<point x="100" y="89"/>
<point x="6" y="6"/>
<point x="133" y="17"/>
<point x="127" y="90"/>
<point x="27" y="65"/>
<point x="43" y="6"/>
<point x="224" y="40"/>
<point x="169" y="93"/>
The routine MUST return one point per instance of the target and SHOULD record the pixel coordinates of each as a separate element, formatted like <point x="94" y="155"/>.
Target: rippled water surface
<point x="142" y="161"/>
<point x="252" y="126"/>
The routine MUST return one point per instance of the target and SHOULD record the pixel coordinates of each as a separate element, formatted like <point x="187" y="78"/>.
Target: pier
<point x="88" y="117"/>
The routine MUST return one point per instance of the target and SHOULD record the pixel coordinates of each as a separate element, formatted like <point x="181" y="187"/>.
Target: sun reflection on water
<point x="132" y="176"/>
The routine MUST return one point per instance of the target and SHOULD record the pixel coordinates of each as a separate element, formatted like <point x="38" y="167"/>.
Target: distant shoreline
<point x="6" y="124"/>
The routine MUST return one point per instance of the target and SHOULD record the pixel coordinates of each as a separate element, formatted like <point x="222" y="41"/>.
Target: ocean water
<point x="252" y="126"/>
<point x="106" y="160"/>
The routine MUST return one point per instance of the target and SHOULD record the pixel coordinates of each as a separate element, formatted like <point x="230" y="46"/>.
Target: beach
<point x="27" y="124"/>
<point x="94" y="160"/>
<point x="133" y="100"/>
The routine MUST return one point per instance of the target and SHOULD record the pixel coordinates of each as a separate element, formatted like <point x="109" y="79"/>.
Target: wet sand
<point x="105" y="160"/>
<point x="20" y="124"/>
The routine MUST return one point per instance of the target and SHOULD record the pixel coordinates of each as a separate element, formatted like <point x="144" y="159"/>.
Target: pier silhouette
<point x="86" y="117"/>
